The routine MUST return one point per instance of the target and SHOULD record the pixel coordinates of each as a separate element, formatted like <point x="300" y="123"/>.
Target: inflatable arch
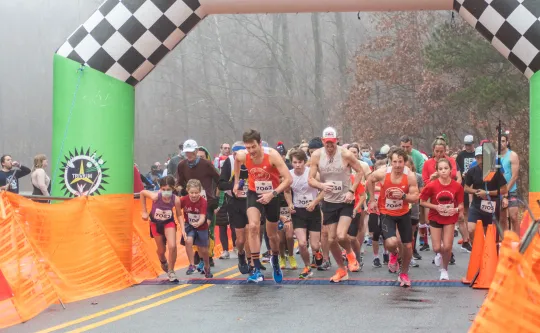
<point x="124" y="40"/>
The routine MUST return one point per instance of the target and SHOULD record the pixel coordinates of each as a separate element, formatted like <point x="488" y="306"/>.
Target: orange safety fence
<point x="71" y="251"/>
<point x="513" y="300"/>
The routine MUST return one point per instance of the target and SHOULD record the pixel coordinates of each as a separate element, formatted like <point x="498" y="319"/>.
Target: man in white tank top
<point x="305" y="210"/>
<point x="334" y="164"/>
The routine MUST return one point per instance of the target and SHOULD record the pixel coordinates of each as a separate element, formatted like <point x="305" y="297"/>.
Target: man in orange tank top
<point x="399" y="188"/>
<point x="265" y="167"/>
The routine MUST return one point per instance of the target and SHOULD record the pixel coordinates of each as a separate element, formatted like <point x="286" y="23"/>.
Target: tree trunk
<point x="319" y="94"/>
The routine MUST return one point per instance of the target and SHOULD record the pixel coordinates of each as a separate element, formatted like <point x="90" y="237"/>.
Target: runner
<point x="162" y="225"/>
<point x="265" y="166"/>
<point x="374" y="220"/>
<point x="444" y="198"/>
<point x="334" y="164"/>
<point x="399" y="188"/>
<point x="406" y="143"/>
<point x="464" y="160"/>
<point x="484" y="194"/>
<point x="510" y="204"/>
<point x="306" y="216"/>
<point x="194" y="225"/>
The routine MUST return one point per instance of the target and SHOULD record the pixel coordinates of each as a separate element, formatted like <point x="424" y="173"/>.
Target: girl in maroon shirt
<point x="444" y="198"/>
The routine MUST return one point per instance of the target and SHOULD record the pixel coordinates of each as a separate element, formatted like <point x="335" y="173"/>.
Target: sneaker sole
<point x="345" y="278"/>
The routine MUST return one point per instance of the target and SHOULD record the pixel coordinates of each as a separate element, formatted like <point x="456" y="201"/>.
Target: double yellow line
<point x="135" y="302"/>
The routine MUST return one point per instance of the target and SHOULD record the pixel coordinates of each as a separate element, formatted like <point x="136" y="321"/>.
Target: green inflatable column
<point x="93" y="132"/>
<point x="534" y="148"/>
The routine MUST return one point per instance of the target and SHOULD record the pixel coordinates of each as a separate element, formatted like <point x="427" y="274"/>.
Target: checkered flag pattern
<point x="512" y="27"/>
<point x="126" y="39"/>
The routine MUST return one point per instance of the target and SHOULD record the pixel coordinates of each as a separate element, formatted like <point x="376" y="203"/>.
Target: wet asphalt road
<point x="315" y="306"/>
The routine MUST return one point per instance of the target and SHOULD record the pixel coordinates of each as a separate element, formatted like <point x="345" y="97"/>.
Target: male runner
<point x="399" y="188"/>
<point x="334" y="165"/>
<point x="510" y="205"/>
<point x="265" y="166"/>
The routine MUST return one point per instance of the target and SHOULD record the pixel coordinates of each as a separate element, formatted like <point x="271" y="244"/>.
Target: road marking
<point x="146" y="307"/>
<point x="125" y="305"/>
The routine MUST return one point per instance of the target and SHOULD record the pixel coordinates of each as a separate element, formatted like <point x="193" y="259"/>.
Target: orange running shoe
<point x="341" y="275"/>
<point x="353" y="264"/>
<point x="460" y="241"/>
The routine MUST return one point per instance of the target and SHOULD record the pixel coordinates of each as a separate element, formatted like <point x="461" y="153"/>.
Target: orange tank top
<point x="387" y="204"/>
<point x="264" y="177"/>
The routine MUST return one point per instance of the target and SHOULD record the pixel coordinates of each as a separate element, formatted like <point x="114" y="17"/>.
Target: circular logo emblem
<point x="83" y="173"/>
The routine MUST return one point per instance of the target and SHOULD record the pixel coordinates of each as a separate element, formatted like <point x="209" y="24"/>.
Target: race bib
<point x="263" y="187"/>
<point x="284" y="211"/>
<point x="203" y="194"/>
<point x="162" y="215"/>
<point x="338" y="187"/>
<point x="302" y="201"/>
<point x="193" y="218"/>
<point x="448" y="207"/>
<point x="243" y="192"/>
<point x="488" y="206"/>
<point x="391" y="204"/>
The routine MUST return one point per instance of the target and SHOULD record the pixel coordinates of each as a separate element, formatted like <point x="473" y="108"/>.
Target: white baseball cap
<point x="329" y="134"/>
<point x="478" y="151"/>
<point x="190" y="146"/>
<point x="468" y="140"/>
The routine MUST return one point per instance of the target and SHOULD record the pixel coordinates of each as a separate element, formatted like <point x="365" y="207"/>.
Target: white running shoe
<point x="438" y="259"/>
<point x="444" y="275"/>
<point x="414" y="263"/>
<point x="225" y="255"/>
<point x="172" y="276"/>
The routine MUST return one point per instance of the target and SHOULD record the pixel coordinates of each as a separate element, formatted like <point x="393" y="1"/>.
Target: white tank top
<point x="332" y="170"/>
<point x="303" y="194"/>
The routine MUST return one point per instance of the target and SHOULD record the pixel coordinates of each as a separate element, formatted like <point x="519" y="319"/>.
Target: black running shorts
<point x="270" y="210"/>
<point x="307" y="220"/>
<point x="389" y="224"/>
<point x="333" y="211"/>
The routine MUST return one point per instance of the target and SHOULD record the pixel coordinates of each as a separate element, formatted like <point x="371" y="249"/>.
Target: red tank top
<point x="388" y="205"/>
<point x="264" y="177"/>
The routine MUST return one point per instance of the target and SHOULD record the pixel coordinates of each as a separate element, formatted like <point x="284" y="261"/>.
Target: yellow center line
<point x="125" y="305"/>
<point x="146" y="307"/>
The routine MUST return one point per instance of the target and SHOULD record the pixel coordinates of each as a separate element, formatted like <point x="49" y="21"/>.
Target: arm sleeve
<point x="214" y="173"/>
<point x="24" y="171"/>
<point x="469" y="177"/>
<point x="226" y="171"/>
<point x="426" y="193"/>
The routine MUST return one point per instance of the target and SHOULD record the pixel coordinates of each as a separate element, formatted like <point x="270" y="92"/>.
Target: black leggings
<point x="224" y="237"/>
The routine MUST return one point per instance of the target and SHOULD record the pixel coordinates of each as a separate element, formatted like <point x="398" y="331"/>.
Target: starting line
<point x="310" y="282"/>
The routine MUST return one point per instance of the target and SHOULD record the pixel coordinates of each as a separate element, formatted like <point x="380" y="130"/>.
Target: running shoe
<point x="466" y="246"/>
<point x="353" y="264"/>
<point x="208" y="274"/>
<point x="456" y="233"/>
<point x="444" y="275"/>
<point x="277" y="274"/>
<point x="324" y="266"/>
<point x="437" y="260"/>
<point x="460" y="241"/>
<point x="414" y="263"/>
<point x="263" y="267"/>
<point x="243" y="266"/>
<point x="425" y="247"/>
<point x="200" y="267"/>
<point x="306" y="273"/>
<point x="393" y="264"/>
<point x="255" y="277"/>
<point x="292" y="262"/>
<point x="341" y="275"/>
<point x="297" y="251"/>
<point x="266" y="257"/>
<point x="318" y="258"/>
<point x="370" y="242"/>
<point x="452" y="260"/>
<point x="386" y="258"/>
<point x="377" y="263"/>
<point x="172" y="276"/>
<point x="416" y="255"/>
<point x="191" y="269"/>
<point x="164" y="266"/>
<point x="404" y="280"/>
<point x="225" y="255"/>
<point x="313" y="262"/>
<point x="282" y="262"/>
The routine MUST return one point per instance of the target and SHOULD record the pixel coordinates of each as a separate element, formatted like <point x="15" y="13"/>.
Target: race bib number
<point x="203" y="194"/>
<point x="448" y="208"/>
<point x="263" y="187"/>
<point x="391" y="204"/>
<point x="488" y="206"/>
<point x="284" y="211"/>
<point x="302" y="201"/>
<point x="338" y="187"/>
<point x="162" y="215"/>
<point x="243" y="192"/>
<point x="193" y="218"/>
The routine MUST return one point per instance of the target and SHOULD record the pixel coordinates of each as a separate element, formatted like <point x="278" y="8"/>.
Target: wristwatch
<point x="404" y="196"/>
<point x="275" y="194"/>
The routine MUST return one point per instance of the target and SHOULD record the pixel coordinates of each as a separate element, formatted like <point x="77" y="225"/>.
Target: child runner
<point x="194" y="226"/>
<point x="162" y="225"/>
<point x="444" y="198"/>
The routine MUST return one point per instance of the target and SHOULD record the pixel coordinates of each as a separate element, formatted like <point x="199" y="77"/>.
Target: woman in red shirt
<point x="444" y="198"/>
<point x="429" y="171"/>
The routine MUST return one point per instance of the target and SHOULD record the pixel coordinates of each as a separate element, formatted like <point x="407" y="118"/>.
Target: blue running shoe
<point x="200" y="267"/>
<point x="255" y="277"/>
<point x="277" y="274"/>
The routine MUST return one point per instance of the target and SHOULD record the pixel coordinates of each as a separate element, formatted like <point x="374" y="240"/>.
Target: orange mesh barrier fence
<point x="513" y="301"/>
<point x="70" y="251"/>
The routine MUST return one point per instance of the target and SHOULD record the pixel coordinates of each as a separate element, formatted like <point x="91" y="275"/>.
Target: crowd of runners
<point x="330" y="198"/>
